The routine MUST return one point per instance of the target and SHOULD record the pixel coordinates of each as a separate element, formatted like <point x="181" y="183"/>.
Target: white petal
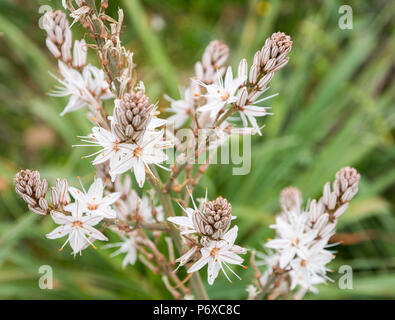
<point x="96" y="189"/>
<point x="92" y="232"/>
<point x="111" y="198"/>
<point x="77" y="240"/>
<point x="61" y="218"/>
<point x="199" y="264"/>
<point x="182" y="221"/>
<point x="212" y="271"/>
<point x="278" y="243"/>
<point x="286" y="256"/>
<point x="106" y="212"/>
<point x="230" y="235"/>
<point x="91" y="220"/>
<point x="230" y="257"/>
<point x="59" y="232"/>
<point x="77" y="194"/>
<point x="139" y="172"/>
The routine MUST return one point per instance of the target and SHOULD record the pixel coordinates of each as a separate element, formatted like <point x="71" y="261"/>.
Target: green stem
<point x="165" y="200"/>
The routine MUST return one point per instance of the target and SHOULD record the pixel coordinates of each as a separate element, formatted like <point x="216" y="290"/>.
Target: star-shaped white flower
<point x="311" y="270"/>
<point x="218" y="254"/>
<point x="128" y="246"/>
<point x="93" y="202"/>
<point x="221" y="94"/>
<point x="84" y="89"/>
<point x="111" y="148"/>
<point x="77" y="226"/>
<point x="139" y="157"/>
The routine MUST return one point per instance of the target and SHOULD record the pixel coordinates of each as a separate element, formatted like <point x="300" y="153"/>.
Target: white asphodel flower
<point x="311" y="270"/>
<point x="77" y="226"/>
<point x="128" y="246"/>
<point x="139" y="157"/>
<point x="221" y="94"/>
<point x="249" y="112"/>
<point x="182" y="108"/>
<point x="93" y="202"/>
<point x="293" y="239"/>
<point x="112" y="148"/>
<point x="141" y="209"/>
<point x="85" y="89"/>
<point x="218" y="254"/>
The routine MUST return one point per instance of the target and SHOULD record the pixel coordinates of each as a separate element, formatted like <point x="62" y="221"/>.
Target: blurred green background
<point x="335" y="108"/>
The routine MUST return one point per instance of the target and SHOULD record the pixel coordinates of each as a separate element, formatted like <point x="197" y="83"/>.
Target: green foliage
<point x="335" y="108"/>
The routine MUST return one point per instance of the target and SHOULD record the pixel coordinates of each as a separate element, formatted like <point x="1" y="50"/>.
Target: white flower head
<point x="221" y="94"/>
<point x="311" y="270"/>
<point x="85" y="89"/>
<point x="93" y="202"/>
<point x="77" y="226"/>
<point x="111" y="148"/>
<point x="293" y="239"/>
<point x="218" y="254"/>
<point x="139" y="157"/>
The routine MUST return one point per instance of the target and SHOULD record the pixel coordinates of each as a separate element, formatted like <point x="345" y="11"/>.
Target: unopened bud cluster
<point x="32" y="190"/>
<point x="344" y="188"/>
<point x="213" y="61"/>
<point x="272" y="57"/>
<point x="59" y="194"/>
<point x="215" y="219"/>
<point x="59" y="39"/>
<point x="131" y="116"/>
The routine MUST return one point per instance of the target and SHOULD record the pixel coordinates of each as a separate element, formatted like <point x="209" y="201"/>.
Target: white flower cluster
<point x="84" y="84"/>
<point x="133" y="208"/>
<point x="85" y="88"/>
<point x="216" y="252"/>
<point x="302" y="236"/>
<point x="226" y="96"/>
<point x="218" y="97"/>
<point x="87" y="211"/>
<point x="301" y="248"/>
<point x="124" y="156"/>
